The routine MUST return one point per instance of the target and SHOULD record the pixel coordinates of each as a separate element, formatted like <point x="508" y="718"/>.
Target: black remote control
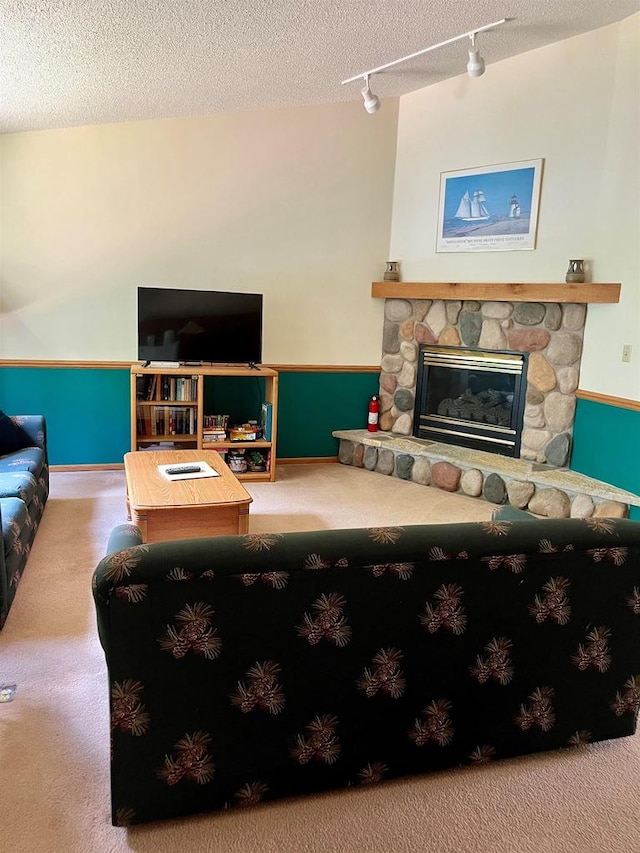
<point x="183" y="469"/>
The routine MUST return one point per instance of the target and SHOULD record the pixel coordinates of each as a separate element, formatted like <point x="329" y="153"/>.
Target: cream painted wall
<point x="297" y="204"/>
<point x="576" y="104"/>
<point x="294" y="203"/>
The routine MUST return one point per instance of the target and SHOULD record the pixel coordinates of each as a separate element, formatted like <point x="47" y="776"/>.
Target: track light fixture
<point x="475" y="65"/>
<point x="371" y="101"/>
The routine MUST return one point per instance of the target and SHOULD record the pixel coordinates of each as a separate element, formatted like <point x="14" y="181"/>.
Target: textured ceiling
<point x="76" y="62"/>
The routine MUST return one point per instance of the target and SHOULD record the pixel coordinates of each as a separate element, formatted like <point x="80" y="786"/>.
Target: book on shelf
<point x="141" y="387"/>
<point x="165" y="420"/>
<point x="266" y="420"/>
<point x="182" y="389"/>
<point x="212" y="435"/>
<point x="215" y="422"/>
<point x="157" y="386"/>
<point x="151" y="390"/>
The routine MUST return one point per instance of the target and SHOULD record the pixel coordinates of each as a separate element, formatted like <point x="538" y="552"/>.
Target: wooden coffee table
<point x="183" y="509"/>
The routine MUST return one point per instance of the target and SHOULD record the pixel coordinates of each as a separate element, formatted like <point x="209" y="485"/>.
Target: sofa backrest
<point x="258" y="666"/>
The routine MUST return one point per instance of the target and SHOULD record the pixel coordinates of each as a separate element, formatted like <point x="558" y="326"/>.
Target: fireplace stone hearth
<point x="538" y="488"/>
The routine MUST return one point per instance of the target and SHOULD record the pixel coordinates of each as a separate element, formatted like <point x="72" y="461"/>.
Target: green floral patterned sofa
<point x="251" y="667"/>
<point x="24" y="488"/>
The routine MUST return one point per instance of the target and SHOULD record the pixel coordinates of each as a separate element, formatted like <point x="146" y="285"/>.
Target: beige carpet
<point x="54" y="741"/>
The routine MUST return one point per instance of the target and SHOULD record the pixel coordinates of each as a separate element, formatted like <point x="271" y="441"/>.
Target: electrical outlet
<point x="626" y="352"/>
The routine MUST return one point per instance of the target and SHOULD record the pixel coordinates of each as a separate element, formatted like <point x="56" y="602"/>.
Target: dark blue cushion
<point x="12" y="436"/>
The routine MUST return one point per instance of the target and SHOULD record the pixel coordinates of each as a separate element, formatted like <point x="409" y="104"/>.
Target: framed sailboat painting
<point x="490" y="208"/>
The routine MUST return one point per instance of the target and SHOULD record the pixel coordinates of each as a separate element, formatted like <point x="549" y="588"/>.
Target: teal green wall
<point x="311" y="405"/>
<point x="88" y="416"/>
<point x="606" y="446"/>
<point x="87" y="410"/>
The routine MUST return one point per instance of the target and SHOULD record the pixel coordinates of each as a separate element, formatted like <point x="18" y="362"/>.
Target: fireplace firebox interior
<point x="471" y="397"/>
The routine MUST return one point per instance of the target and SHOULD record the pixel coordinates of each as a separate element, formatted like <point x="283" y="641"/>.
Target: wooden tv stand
<point x="167" y="411"/>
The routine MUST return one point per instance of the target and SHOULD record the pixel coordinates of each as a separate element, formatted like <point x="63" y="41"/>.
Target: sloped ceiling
<point x="76" y="62"/>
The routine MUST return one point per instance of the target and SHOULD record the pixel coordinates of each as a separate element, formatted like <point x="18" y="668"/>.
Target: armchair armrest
<point x="511" y="513"/>
<point x="122" y="537"/>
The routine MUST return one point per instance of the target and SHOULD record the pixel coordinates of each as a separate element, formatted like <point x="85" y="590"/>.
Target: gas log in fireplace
<point x="471" y="397"/>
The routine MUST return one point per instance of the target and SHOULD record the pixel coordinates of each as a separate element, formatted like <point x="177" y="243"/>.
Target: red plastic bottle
<point x="374" y="412"/>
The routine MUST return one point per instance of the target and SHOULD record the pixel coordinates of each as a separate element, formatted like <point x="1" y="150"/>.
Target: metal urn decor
<point x="575" y="273"/>
<point x="392" y="271"/>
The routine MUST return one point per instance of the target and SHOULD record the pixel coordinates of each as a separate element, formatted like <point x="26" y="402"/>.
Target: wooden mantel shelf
<point x="486" y="292"/>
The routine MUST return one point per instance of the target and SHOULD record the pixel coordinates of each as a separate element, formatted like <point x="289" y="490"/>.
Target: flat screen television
<point x="199" y="326"/>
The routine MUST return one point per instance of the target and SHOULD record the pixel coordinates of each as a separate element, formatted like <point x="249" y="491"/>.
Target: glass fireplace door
<point x="471" y="397"/>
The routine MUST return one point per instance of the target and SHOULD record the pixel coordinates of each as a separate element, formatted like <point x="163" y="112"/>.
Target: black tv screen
<point x="199" y="326"/>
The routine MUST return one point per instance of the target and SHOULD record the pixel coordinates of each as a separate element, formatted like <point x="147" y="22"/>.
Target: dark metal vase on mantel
<point x="392" y="271"/>
<point x="575" y="273"/>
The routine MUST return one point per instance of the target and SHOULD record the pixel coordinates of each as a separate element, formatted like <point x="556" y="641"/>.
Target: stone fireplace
<point x="548" y="336"/>
<point x="471" y="397"/>
<point x="543" y="341"/>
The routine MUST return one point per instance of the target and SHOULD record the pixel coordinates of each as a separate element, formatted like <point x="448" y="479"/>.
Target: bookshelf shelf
<point x="258" y="443"/>
<point x="160" y="419"/>
<point x="168" y="402"/>
<point x="166" y="437"/>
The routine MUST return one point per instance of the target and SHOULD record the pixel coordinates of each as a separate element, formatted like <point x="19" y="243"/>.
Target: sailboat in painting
<point x="472" y="209"/>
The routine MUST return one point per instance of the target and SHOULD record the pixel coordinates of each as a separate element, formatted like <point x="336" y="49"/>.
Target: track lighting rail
<point x="475" y="66"/>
